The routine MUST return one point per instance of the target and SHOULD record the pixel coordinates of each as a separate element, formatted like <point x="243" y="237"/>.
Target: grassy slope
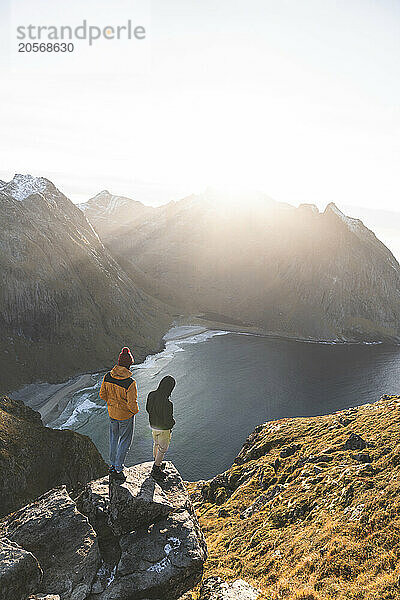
<point x="333" y="529"/>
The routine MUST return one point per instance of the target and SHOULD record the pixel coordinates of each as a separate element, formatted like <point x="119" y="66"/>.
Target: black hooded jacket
<point x="160" y="407"/>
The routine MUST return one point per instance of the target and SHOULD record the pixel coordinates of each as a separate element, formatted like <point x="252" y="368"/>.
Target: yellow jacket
<point x="119" y="391"/>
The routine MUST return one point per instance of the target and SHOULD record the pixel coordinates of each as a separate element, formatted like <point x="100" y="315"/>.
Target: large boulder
<point x="94" y="502"/>
<point x="161" y="561"/>
<point x="61" y="539"/>
<point x="20" y="573"/>
<point x="355" y="442"/>
<point x="140" y="500"/>
<point x="149" y="537"/>
<point x="214" y="588"/>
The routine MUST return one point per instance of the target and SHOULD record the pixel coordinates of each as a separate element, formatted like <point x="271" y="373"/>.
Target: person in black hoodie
<point x="161" y="417"/>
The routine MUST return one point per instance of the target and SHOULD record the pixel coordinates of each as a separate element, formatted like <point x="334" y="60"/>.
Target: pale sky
<point x="296" y="98"/>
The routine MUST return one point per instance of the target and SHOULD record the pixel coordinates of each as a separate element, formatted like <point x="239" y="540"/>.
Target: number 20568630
<point x="45" y="47"/>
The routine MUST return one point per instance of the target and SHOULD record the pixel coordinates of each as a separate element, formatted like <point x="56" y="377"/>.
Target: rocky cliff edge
<point x="34" y="458"/>
<point x="116" y="541"/>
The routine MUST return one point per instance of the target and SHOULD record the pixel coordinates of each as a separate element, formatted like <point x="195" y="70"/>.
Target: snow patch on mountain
<point x="22" y="186"/>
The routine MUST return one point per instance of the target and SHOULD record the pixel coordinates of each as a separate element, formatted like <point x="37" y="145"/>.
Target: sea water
<point x="228" y="383"/>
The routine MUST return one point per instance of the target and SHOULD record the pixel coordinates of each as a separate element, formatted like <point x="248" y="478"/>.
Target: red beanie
<point x="125" y="359"/>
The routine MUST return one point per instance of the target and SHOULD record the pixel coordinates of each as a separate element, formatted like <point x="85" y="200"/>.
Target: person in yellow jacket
<point x="119" y="391"/>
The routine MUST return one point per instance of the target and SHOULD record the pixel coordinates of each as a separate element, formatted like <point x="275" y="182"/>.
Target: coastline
<point x="51" y="399"/>
<point x="245" y="328"/>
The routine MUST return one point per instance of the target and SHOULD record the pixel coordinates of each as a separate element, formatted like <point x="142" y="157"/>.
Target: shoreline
<point x="254" y="330"/>
<point x="51" y="399"/>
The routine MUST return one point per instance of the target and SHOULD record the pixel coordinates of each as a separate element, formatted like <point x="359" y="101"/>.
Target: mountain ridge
<point x="66" y="306"/>
<point x="117" y="272"/>
<point x="294" y="272"/>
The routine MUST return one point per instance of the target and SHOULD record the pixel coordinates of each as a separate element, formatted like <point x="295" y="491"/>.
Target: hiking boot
<point x="157" y="473"/>
<point x="118" y="475"/>
<point x="111" y="469"/>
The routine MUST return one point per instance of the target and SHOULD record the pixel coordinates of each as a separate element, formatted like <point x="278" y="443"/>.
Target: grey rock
<point x="214" y="588"/>
<point x="320" y="458"/>
<point x="261" y="501"/>
<point x="20" y="573"/>
<point x="61" y="539"/>
<point x="94" y="502"/>
<point x="105" y="575"/>
<point x="161" y="561"/>
<point x="45" y="597"/>
<point x="363" y="457"/>
<point x="347" y="495"/>
<point x="162" y="549"/>
<point x="355" y="442"/>
<point x="289" y="450"/>
<point x="141" y="500"/>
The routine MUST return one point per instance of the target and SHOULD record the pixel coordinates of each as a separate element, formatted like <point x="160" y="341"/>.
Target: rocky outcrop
<point x="141" y="500"/>
<point x="310" y="507"/>
<point x="94" y="502"/>
<point x="214" y="588"/>
<point x="149" y="536"/>
<point x="34" y="458"/>
<point x="66" y="306"/>
<point x="354" y="442"/>
<point x="49" y="548"/>
<point x="289" y="271"/>
<point x="20" y="573"/>
<point x="161" y="560"/>
<point x="62" y="541"/>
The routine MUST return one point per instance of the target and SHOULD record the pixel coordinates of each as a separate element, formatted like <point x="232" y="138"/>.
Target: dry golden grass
<point x="332" y="531"/>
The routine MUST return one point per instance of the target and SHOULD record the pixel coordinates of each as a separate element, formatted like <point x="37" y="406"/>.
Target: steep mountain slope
<point x="66" y="306"/>
<point x="112" y="213"/>
<point x="290" y="271"/>
<point x="311" y="507"/>
<point x="34" y="458"/>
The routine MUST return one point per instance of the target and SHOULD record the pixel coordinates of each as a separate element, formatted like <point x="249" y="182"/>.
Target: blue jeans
<point x="121" y="434"/>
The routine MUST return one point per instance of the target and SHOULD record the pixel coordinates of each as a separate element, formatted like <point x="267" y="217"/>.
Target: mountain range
<point x="290" y="271"/>
<point x="78" y="282"/>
